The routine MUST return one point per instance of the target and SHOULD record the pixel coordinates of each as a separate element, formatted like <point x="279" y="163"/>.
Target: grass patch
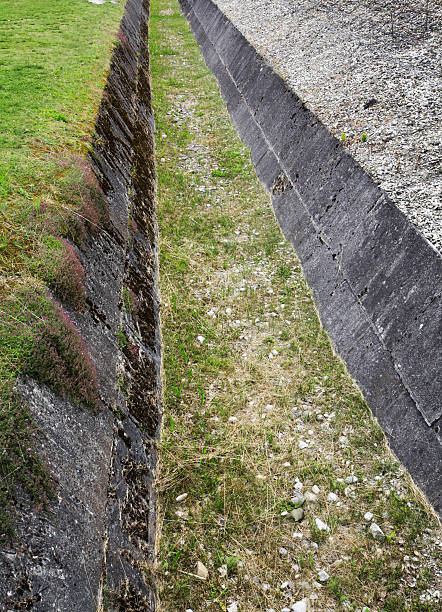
<point x="249" y="374"/>
<point x="54" y="59"/>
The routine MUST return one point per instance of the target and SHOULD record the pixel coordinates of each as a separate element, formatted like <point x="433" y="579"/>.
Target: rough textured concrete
<point x="375" y="279"/>
<point x="95" y="543"/>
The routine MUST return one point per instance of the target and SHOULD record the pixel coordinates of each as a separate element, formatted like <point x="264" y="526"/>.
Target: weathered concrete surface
<point x="95" y="543"/>
<point x="375" y="279"/>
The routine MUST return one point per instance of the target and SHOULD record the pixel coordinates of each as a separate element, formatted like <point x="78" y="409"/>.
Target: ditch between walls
<point x="93" y="548"/>
<point x="376" y="281"/>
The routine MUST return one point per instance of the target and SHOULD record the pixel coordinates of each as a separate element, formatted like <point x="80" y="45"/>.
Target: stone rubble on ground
<point x="300" y="606"/>
<point x="201" y="570"/>
<point x="377" y="532"/>
<point x="323" y="576"/>
<point x="320" y="525"/>
<point x="297" y="514"/>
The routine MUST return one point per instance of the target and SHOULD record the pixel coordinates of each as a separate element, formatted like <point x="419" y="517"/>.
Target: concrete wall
<point x="91" y="545"/>
<point x="375" y="279"/>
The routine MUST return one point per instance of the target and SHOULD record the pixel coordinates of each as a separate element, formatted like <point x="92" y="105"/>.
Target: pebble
<point x="368" y="516"/>
<point x="311" y="497"/>
<point x="181" y="497"/>
<point x="320" y="525"/>
<point x="297" y="499"/>
<point x="232" y="419"/>
<point x="283" y="551"/>
<point x="316" y="490"/>
<point x="286" y="585"/>
<point x="377" y="532"/>
<point x="323" y="576"/>
<point x="297" y="514"/>
<point x="300" y="606"/>
<point x="201" y="570"/>
<point x="200" y="339"/>
<point x="332" y="497"/>
<point x="351" y="479"/>
<point x="233" y="607"/>
<point x="302" y="444"/>
<point x="298" y="485"/>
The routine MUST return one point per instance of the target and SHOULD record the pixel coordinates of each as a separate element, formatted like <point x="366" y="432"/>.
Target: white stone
<point x="311" y="497"/>
<point x="323" y="576"/>
<point x="201" y="570"/>
<point x="368" y="516"/>
<point x="300" y="606"/>
<point x="232" y="419"/>
<point x="332" y="497"/>
<point x="181" y="497"/>
<point x="316" y="490"/>
<point x="351" y="479"/>
<point x="302" y="444"/>
<point x="377" y="532"/>
<point x="200" y="339"/>
<point x="283" y="551"/>
<point x="298" y="485"/>
<point x="320" y="525"/>
<point x="298" y="499"/>
<point x="233" y="607"/>
<point x="297" y="514"/>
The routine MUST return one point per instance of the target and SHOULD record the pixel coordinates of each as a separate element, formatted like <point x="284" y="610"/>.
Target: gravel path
<point x="379" y="93"/>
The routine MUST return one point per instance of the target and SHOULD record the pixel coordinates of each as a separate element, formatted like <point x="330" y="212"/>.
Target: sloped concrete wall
<point x="93" y="547"/>
<point x="376" y="280"/>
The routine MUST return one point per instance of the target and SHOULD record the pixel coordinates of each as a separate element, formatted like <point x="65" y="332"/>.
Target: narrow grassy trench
<point x="257" y="407"/>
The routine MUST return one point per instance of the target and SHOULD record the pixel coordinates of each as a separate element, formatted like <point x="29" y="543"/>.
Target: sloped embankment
<point x="87" y="549"/>
<point x="376" y="281"/>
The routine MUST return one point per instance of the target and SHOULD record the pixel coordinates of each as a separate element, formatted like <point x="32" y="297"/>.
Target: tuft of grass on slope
<point x="54" y="58"/>
<point x="257" y="406"/>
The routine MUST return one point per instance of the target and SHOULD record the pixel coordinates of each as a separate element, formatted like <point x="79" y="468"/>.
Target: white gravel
<point x="340" y="57"/>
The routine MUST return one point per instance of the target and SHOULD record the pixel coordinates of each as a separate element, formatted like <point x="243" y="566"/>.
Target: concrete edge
<point x="94" y="547"/>
<point x="376" y="281"/>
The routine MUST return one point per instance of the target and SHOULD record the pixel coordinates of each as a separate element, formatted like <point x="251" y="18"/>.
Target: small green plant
<point x="364" y="137"/>
<point x="343" y="137"/>
<point x="122" y="339"/>
<point x="307" y="561"/>
<point x="232" y="565"/>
